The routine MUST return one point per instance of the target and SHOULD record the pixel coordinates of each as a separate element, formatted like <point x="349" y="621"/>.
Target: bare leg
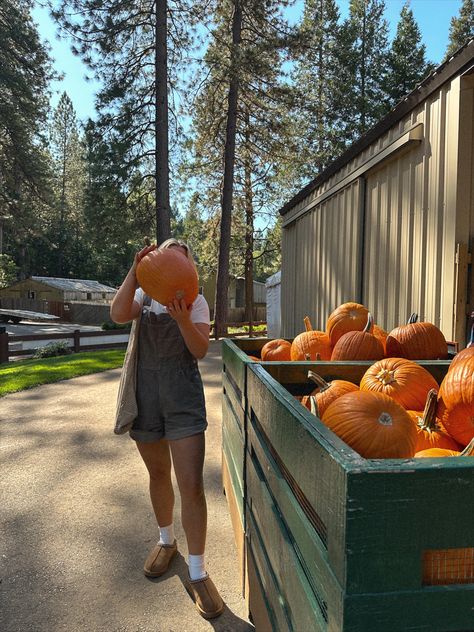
<point x="188" y="461"/>
<point x="158" y="462"/>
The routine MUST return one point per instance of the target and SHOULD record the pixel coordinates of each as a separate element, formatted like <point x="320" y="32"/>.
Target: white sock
<point x="197" y="568"/>
<point x="167" y="535"/>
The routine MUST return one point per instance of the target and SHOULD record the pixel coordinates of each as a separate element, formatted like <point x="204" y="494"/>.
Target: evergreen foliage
<point x="462" y="27"/>
<point x="406" y="62"/>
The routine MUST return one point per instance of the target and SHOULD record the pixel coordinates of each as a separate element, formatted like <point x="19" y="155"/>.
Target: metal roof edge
<point x="456" y="64"/>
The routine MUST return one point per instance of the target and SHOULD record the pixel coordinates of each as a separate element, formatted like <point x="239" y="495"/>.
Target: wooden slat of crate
<point x="305" y="446"/>
<point x="235" y="360"/>
<point x="283" y="560"/>
<point x="236" y="520"/>
<point x="395" y="511"/>
<point x="311" y="549"/>
<point x="234" y="398"/>
<point x="234" y="450"/>
<point x="260" y="611"/>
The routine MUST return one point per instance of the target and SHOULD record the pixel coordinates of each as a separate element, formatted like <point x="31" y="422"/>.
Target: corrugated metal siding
<point x="407" y="247"/>
<point x="321" y="247"/>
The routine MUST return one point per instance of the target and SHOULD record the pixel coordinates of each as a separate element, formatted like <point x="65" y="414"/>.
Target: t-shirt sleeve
<point x="200" y="312"/>
<point x="139" y="295"/>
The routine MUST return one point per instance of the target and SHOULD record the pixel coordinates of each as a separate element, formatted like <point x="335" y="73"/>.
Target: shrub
<point x="109" y="325"/>
<point x="53" y="349"/>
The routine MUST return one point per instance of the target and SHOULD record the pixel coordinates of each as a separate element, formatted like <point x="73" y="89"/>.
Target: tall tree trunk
<point x="222" y="285"/>
<point x="162" y="193"/>
<point x="248" y="224"/>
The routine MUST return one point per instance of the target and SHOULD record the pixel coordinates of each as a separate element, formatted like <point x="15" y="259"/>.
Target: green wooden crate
<point x="337" y="542"/>
<point x="339" y="545"/>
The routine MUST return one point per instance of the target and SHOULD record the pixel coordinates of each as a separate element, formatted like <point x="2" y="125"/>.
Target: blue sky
<point x="433" y="18"/>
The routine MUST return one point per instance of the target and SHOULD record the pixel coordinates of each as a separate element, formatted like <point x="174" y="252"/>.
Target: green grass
<point x="18" y="376"/>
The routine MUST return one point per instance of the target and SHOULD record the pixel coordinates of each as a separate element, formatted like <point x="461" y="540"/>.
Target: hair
<point x="178" y="243"/>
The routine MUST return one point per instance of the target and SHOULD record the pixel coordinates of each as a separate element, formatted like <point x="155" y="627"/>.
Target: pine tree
<point x="362" y="53"/>
<point x="69" y="180"/>
<point x="406" y="62"/>
<point x="25" y="74"/>
<point x="237" y="123"/>
<point x="135" y="50"/>
<point x="313" y="120"/>
<point x="462" y="27"/>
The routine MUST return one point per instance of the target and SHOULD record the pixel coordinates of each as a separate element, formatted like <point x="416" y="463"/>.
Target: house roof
<point x="74" y="285"/>
<point x="460" y="62"/>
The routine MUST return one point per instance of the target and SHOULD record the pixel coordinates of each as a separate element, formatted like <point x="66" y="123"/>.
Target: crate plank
<point x="236" y="516"/>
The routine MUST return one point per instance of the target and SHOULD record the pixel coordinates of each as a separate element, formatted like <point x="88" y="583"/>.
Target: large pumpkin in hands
<point x="346" y="317"/>
<point x="358" y="345"/>
<point x="417" y="341"/>
<point x="311" y="344"/>
<point x="166" y="275"/>
<point x="373" y="425"/>
<point x="405" y="381"/>
<point x="456" y="401"/>
<point x="277" y="350"/>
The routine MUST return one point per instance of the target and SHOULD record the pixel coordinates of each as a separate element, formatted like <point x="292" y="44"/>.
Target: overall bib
<point x="170" y="394"/>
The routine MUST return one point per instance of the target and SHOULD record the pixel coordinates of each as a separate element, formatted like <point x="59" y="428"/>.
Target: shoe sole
<point x="155" y="574"/>
<point x="203" y="613"/>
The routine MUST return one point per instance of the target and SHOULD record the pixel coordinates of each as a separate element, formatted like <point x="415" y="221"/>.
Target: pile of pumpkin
<point x="398" y="410"/>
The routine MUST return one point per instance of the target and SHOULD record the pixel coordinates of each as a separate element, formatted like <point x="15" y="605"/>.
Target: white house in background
<point x="273" y="287"/>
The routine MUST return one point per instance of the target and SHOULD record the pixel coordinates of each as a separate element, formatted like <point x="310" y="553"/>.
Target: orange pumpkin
<point x="456" y="401"/>
<point x="358" y="345"/>
<point x="347" y="317"/>
<point x="373" y="424"/>
<point x="405" y="381"/>
<point x="326" y="392"/>
<point x="430" y="432"/>
<point x="417" y="341"/>
<point x="464" y="353"/>
<point x="276" y="350"/>
<point x="254" y="358"/>
<point x="166" y="275"/>
<point x="308" y="344"/>
<point x="381" y="334"/>
<point x="442" y="452"/>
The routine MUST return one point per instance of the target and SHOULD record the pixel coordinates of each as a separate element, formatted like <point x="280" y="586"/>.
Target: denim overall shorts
<point x="170" y="394"/>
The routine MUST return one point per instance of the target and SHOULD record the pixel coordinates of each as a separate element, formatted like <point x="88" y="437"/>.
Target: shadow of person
<point x="227" y="621"/>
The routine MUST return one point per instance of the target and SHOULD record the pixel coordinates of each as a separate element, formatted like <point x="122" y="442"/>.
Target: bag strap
<point x="146" y="301"/>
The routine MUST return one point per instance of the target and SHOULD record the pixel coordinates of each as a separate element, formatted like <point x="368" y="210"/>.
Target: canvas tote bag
<point x="127" y="409"/>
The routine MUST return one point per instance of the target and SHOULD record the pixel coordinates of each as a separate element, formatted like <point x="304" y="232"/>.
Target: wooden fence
<point x="11" y="346"/>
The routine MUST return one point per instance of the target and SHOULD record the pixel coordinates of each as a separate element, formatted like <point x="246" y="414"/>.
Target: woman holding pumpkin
<point x="169" y="428"/>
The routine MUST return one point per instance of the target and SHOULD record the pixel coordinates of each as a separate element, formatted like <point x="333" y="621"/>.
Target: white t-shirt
<point x="199" y="312"/>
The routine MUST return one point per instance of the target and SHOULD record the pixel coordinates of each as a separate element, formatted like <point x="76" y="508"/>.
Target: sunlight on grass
<point x="17" y="376"/>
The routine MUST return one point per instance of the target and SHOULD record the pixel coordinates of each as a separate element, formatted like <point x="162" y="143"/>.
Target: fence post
<point x="77" y="340"/>
<point x="3" y="345"/>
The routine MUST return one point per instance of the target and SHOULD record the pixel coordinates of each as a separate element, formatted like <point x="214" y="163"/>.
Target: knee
<point x="159" y="473"/>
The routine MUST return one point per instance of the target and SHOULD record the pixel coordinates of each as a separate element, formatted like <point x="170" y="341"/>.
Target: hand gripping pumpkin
<point x="166" y="275"/>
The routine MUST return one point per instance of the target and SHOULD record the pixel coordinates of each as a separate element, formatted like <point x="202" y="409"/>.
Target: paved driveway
<point x="77" y="522"/>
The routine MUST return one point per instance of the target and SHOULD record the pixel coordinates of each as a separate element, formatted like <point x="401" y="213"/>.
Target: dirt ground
<point x="77" y="523"/>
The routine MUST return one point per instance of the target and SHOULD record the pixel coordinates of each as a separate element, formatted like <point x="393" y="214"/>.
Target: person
<point x="169" y="428"/>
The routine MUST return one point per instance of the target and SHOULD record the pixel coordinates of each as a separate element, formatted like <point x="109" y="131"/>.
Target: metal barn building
<point x="390" y="223"/>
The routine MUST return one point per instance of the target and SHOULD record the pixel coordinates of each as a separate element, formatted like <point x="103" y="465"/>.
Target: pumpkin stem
<point x="307" y="357"/>
<point x="413" y="318"/>
<point x="314" y="405"/>
<point x="318" y="357"/>
<point x="386" y="376"/>
<point x="469" y="449"/>
<point x="307" y="324"/>
<point x="370" y="322"/>
<point x="428" y="420"/>
<point x="319" y="381"/>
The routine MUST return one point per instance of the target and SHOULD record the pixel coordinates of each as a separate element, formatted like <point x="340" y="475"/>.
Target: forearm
<point x="195" y="339"/>
<point x="121" y="309"/>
